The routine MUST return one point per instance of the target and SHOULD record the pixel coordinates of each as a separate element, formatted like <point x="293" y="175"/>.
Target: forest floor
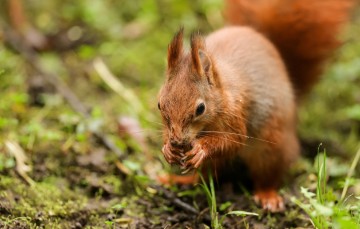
<point x="80" y="147"/>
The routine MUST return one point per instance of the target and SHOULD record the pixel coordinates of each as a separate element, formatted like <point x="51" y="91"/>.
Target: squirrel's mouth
<point x="182" y="145"/>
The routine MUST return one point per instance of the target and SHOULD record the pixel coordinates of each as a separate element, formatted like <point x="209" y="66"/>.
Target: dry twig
<point x="177" y="202"/>
<point x="32" y="59"/>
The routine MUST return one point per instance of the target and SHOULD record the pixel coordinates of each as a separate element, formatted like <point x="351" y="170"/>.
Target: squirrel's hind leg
<point x="268" y="166"/>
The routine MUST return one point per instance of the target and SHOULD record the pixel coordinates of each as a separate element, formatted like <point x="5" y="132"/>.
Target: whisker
<point x="153" y="122"/>
<point x="227" y="139"/>
<point x="157" y="136"/>
<point x="242" y="135"/>
<point x="234" y="115"/>
<point x="240" y="143"/>
<point x="159" y="123"/>
<point x="140" y="131"/>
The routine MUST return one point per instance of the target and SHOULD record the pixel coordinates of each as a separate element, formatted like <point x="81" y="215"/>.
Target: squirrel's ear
<point x="175" y="49"/>
<point x="204" y="61"/>
<point x="201" y="60"/>
<point x="197" y="43"/>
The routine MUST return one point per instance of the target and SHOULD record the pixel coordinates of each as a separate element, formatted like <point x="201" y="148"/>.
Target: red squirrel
<point x="236" y="93"/>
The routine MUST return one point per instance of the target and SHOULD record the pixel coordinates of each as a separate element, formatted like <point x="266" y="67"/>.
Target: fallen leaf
<point x="21" y="167"/>
<point x="95" y="158"/>
<point x="129" y="126"/>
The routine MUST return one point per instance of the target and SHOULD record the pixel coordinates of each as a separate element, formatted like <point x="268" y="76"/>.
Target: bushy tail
<point x="304" y="31"/>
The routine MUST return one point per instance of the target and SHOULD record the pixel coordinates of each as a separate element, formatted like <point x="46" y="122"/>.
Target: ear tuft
<point x="175" y="49"/>
<point x="201" y="61"/>
<point x="197" y="44"/>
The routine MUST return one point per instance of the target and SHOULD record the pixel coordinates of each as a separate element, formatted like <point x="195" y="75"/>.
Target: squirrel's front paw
<point x="171" y="156"/>
<point x="194" y="158"/>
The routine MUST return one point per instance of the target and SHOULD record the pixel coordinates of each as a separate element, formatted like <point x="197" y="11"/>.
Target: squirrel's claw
<point x="169" y="155"/>
<point x="194" y="158"/>
<point x="269" y="200"/>
<point x="186" y="171"/>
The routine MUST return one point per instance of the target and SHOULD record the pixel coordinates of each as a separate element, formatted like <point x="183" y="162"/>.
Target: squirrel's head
<point x="191" y="95"/>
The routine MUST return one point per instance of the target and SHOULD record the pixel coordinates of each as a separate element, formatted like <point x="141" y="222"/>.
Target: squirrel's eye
<point x="159" y="105"/>
<point x="200" y="109"/>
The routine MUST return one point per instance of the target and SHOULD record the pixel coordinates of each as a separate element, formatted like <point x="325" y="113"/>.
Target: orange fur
<point x="170" y="179"/>
<point x="233" y="96"/>
<point x="304" y="31"/>
<point x="175" y="49"/>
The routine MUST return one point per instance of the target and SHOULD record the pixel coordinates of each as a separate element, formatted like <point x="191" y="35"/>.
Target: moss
<point x="49" y="201"/>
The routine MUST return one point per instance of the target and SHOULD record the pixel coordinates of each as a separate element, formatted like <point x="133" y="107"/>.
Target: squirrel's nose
<point x="176" y="143"/>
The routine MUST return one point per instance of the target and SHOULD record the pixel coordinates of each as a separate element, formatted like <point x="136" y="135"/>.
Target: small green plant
<point x="323" y="208"/>
<point x="211" y="199"/>
<point x="209" y="190"/>
<point x="109" y="224"/>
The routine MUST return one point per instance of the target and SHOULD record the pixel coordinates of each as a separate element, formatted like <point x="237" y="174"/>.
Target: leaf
<point x="132" y="165"/>
<point x="6" y="162"/>
<point x="242" y="213"/>
<point x="345" y="222"/>
<point x="323" y="210"/>
<point x="109" y="223"/>
<point x="353" y="112"/>
<point x="307" y="193"/>
<point x="225" y="205"/>
<point x="189" y="192"/>
<point x="117" y="207"/>
<point x="21" y="167"/>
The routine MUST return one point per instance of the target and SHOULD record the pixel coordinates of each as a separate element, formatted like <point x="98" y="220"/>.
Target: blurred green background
<point x="132" y="37"/>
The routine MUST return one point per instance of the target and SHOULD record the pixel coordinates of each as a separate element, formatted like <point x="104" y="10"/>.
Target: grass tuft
<point x="209" y="190"/>
<point x="323" y="209"/>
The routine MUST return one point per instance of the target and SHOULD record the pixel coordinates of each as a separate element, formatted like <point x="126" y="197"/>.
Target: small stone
<point x="110" y="217"/>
